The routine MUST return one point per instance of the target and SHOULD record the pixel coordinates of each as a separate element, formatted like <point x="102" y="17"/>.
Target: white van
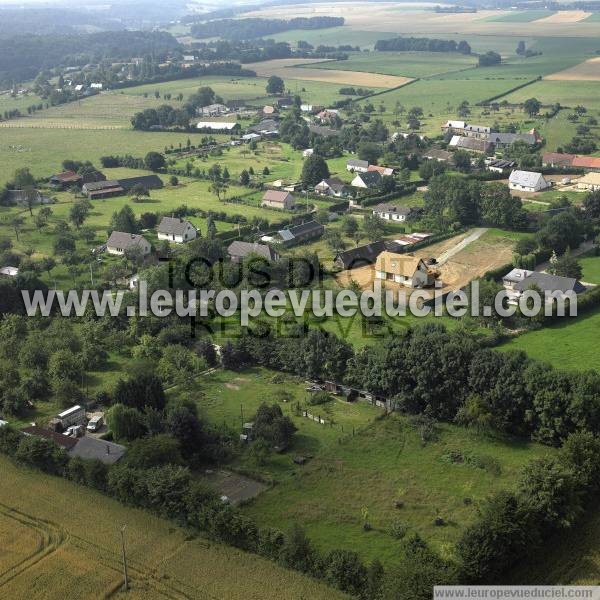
<point x="95" y="423"/>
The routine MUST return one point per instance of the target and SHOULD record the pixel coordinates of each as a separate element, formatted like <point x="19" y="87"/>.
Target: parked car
<point x="95" y="424"/>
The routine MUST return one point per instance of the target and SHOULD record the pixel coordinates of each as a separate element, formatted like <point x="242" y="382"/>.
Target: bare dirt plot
<point x="480" y="256"/>
<point x="288" y="68"/>
<point x="236" y="487"/>
<point x="565" y="16"/>
<point x="588" y="70"/>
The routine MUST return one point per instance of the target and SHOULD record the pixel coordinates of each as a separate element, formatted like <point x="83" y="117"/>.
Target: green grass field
<point x="568" y="93"/>
<point x="570" y="344"/>
<point x="525" y="16"/>
<point x="58" y="534"/>
<point x="407" y="64"/>
<point x="361" y="461"/>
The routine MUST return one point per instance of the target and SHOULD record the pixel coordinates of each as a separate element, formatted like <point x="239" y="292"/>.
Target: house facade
<point x="403" y="269"/>
<point x="176" y="230"/>
<point x="281" y="200"/>
<point x="357" y="166"/>
<point x="391" y="212"/>
<point x="332" y="187"/>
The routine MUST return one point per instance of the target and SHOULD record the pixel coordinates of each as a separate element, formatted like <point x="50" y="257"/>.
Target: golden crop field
<point x="290" y="68"/>
<point x="57" y="535"/>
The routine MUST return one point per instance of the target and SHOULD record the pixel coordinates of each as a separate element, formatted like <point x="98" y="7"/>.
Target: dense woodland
<point x="411" y="44"/>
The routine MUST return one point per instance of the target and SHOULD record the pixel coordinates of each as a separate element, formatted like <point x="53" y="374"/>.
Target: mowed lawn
<point x="58" y="534"/>
<point x="570" y="344"/>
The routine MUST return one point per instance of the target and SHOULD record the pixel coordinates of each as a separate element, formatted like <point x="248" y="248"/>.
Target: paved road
<point x="585" y="247"/>
<point x="474" y="235"/>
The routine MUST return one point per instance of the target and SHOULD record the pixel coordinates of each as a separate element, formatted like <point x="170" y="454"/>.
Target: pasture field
<point x="20" y="102"/>
<point x="591" y="268"/>
<point x="564" y="16"/>
<point x="383" y="462"/>
<point x="568" y="93"/>
<point x="43" y="150"/>
<point x="407" y="64"/>
<point x="570" y="344"/>
<point x="333" y="36"/>
<point x="70" y="539"/>
<point x="525" y="16"/>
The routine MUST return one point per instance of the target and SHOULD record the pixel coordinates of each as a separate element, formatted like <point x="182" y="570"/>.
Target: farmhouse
<point x="502" y="141"/>
<point x="119" y="243"/>
<point x="402" y="268"/>
<point x="369" y="180"/>
<point x="589" y="163"/>
<point x="250" y="137"/>
<point x="323" y="131"/>
<point x="217" y="126"/>
<point x="282" y="200"/>
<point x="176" y="230"/>
<point x="527" y="181"/>
<point x="332" y="187"/>
<point x="296" y="234"/>
<point x="383" y="171"/>
<point x="589" y="182"/>
<point x="476" y="131"/>
<point x="355" y="165"/>
<point x="284" y="102"/>
<point x="454" y="127"/>
<point x="237" y="251"/>
<point x="557" y="159"/>
<point x="65" y="179"/>
<point x="102" y="189"/>
<point x="391" y="212"/>
<point x="471" y="144"/>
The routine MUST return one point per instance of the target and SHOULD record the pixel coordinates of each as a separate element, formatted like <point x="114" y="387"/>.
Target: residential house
<point x="213" y="110"/>
<point x="119" y="243"/>
<point x="266" y="128"/>
<point x="238" y="250"/>
<point x="454" y="127"/>
<point x="355" y="165"/>
<point x="502" y="141"/>
<point x="250" y="137"/>
<point x="332" y="187"/>
<point x="383" y="171"/>
<point x="87" y="447"/>
<point x="500" y="165"/>
<point x="437" y="154"/>
<point x="284" y="102"/>
<point x="476" y="131"/>
<point x="323" y="131"/>
<point x="311" y="108"/>
<point x="218" y="126"/>
<point x="403" y="268"/>
<point x="589" y="182"/>
<point x="282" y="200"/>
<point x="370" y="180"/>
<point x="518" y="281"/>
<point x="328" y="116"/>
<point x="235" y="105"/>
<point x="391" y="212"/>
<point x="527" y="181"/>
<point x="297" y="234"/>
<point x="176" y="230"/>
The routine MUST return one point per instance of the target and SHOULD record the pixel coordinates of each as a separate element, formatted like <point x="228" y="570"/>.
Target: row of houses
<point x="576" y="161"/>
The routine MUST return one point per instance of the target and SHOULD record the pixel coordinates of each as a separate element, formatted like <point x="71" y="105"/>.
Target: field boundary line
<point x="510" y="91"/>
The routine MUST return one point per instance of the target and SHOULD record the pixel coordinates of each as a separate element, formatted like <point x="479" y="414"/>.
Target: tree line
<point x="412" y="44"/>
<point x="245" y="29"/>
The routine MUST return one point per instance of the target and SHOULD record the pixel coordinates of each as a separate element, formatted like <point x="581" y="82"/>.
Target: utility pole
<point x="124" y="557"/>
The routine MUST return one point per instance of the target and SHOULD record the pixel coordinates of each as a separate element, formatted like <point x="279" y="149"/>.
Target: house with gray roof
<point x="391" y="212"/>
<point x="238" y="250"/>
<point x="518" y="281"/>
<point x="471" y="144"/>
<point x="176" y="230"/>
<point x="354" y="165"/>
<point x="369" y="180"/>
<point x="332" y="187"/>
<point x="502" y="141"/>
<point x="527" y="181"/>
<point x="119" y="243"/>
<point x="296" y="234"/>
<point x="91" y="448"/>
